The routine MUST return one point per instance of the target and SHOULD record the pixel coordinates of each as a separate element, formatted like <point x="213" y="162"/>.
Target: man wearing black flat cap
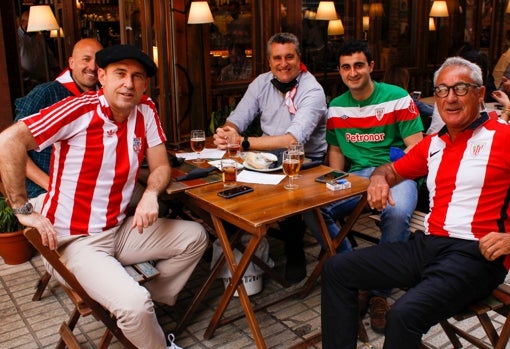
<point x="99" y="140"/>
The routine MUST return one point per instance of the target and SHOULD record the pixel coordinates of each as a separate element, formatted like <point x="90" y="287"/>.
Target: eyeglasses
<point x="460" y="89"/>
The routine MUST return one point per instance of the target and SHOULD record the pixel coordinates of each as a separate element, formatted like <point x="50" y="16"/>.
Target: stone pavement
<point x="26" y="324"/>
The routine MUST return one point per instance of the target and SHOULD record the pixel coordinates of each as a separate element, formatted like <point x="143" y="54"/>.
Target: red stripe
<point x="370" y="121"/>
<point x="86" y="181"/>
<point x="64" y="149"/>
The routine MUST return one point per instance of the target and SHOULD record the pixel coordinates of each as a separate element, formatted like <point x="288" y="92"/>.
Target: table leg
<point x="200" y="295"/>
<point x="331" y="245"/>
<point x="237" y="272"/>
<point x="205" y="288"/>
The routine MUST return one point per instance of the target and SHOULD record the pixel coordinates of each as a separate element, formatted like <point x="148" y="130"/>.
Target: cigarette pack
<point x="338" y="184"/>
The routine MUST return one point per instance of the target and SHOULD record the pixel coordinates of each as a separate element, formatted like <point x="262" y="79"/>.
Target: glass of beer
<point x="300" y="149"/>
<point x="197" y="143"/>
<point x="233" y="146"/>
<point x="291" y="165"/>
<point x="229" y="172"/>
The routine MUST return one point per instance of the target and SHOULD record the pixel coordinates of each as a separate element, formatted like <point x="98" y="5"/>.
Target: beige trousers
<point x="97" y="262"/>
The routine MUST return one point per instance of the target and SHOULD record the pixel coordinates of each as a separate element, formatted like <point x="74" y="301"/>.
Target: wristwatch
<point x="27" y="209"/>
<point x="246" y="143"/>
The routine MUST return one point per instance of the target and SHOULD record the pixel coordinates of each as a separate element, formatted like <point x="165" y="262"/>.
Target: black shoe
<point x="295" y="269"/>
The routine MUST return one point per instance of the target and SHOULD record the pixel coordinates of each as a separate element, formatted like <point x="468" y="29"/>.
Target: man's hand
<point x="378" y="192"/>
<point x="222" y="134"/>
<point x="146" y="212"/>
<point x="43" y="226"/>
<point x="495" y="245"/>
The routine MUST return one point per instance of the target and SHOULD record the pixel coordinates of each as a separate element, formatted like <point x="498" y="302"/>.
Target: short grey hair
<point x="476" y="71"/>
<point x="283" y="38"/>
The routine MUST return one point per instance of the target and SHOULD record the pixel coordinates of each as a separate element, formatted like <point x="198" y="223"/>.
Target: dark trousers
<point x="293" y="231"/>
<point x="443" y="275"/>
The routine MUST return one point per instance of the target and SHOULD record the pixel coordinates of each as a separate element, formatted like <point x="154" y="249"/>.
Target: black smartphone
<point x="331" y="176"/>
<point x="235" y="191"/>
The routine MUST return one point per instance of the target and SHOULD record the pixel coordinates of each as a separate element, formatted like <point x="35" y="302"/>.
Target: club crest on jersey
<point x="137" y="144"/>
<point x="476" y="149"/>
<point x="379" y="113"/>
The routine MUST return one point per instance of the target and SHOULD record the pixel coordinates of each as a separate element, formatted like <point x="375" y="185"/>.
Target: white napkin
<point x="207" y="153"/>
<point x="260" y="178"/>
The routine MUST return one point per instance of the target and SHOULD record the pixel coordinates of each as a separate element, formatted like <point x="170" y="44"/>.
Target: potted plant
<point x="14" y="247"/>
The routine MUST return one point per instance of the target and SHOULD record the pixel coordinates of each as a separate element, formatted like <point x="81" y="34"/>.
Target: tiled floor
<point x="28" y="324"/>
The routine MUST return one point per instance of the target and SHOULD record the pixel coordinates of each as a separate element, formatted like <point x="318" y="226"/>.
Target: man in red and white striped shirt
<point x="464" y="252"/>
<point x="99" y="140"/>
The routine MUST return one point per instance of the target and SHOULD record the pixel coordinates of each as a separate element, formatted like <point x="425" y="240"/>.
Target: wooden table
<point x="254" y="213"/>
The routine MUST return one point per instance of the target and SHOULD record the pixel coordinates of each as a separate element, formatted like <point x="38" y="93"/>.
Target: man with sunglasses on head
<point x="462" y="255"/>
<point x="292" y="108"/>
<point x="363" y="125"/>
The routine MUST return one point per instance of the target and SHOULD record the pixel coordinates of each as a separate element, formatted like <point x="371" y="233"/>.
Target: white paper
<point x="207" y="153"/>
<point x="260" y="178"/>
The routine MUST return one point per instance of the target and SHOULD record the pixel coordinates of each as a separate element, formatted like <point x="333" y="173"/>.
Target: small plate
<point x="248" y="167"/>
<point x="217" y="164"/>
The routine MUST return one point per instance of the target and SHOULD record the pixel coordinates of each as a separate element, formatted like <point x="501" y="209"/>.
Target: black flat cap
<point x="117" y="53"/>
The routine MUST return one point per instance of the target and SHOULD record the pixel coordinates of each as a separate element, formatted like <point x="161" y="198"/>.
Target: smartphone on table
<point x="235" y="191"/>
<point x="330" y="176"/>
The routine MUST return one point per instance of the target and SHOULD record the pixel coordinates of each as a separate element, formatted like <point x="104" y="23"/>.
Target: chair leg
<point x="489" y="329"/>
<point x="450" y="333"/>
<point x="66" y="331"/>
<point x="105" y="340"/>
<point x="67" y="338"/>
<point x="362" y="332"/>
<point x="41" y="286"/>
<point x="504" y="335"/>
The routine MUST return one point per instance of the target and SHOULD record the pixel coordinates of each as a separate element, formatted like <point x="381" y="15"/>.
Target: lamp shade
<point x="439" y="9"/>
<point x="366" y="23"/>
<point x="432" y="24"/>
<point x="40" y="18"/>
<point x="200" y="13"/>
<point x="508" y="7"/>
<point x="155" y="55"/>
<point x="335" y="27"/>
<point x="326" y="11"/>
<point x="57" y="33"/>
<point x="376" y="9"/>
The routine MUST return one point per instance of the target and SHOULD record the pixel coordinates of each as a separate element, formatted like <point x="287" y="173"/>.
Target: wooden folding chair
<point x="84" y="304"/>
<point x="499" y="302"/>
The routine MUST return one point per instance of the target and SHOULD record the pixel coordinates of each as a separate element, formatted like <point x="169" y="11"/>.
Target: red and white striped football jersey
<point x="95" y="161"/>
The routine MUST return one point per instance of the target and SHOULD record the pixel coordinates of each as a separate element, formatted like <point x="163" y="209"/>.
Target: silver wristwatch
<point x="27" y="208"/>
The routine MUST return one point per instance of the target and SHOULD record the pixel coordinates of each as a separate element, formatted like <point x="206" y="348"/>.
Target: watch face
<point x="27" y="208"/>
<point x="245" y="144"/>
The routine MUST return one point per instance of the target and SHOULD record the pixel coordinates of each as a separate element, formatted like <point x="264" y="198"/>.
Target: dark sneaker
<point x="295" y="268"/>
<point x="363" y="298"/>
<point x="378" y="309"/>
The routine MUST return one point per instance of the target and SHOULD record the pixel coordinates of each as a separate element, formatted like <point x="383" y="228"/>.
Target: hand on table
<point x="222" y="134"/>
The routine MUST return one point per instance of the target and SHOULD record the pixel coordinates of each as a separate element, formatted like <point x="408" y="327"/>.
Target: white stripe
<point x="462" y="208"/>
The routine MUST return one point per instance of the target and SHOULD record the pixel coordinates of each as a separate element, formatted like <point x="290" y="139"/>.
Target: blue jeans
<point x="394" y="219"/>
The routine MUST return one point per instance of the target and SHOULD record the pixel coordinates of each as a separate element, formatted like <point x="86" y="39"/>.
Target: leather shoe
<point x="378" y="309"/>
